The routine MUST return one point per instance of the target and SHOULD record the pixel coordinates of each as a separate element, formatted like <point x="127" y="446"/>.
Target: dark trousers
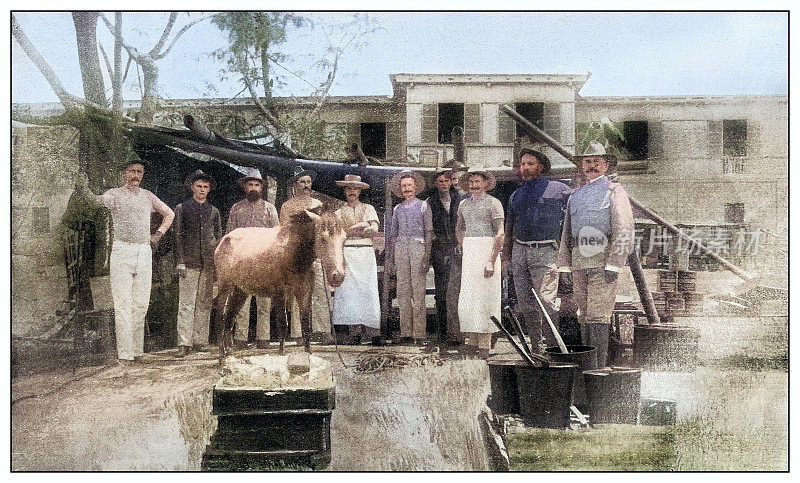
<point x="443" y="263"/>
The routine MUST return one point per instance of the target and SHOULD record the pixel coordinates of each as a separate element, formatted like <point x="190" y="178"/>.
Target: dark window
<point x="734" y="213"/>
<point x="450" y="116"/>
<point x="40" y="222"/>
<point x="734" y="137"/>
<point x="533" y="112"/>
<point x="636" y="134"/>
<point x="373" y="139"/>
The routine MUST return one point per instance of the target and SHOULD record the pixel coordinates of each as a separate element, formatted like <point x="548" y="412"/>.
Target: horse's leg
<point x="220" y="302"/>
<point x="232" y="308"/>
<point x="304" y="301"/>
<point x="280" y="304"/>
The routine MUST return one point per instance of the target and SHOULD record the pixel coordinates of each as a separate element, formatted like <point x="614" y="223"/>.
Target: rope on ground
<point x="373" y="362"/>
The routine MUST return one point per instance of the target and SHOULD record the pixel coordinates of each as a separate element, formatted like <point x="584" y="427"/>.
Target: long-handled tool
<point x="518" y="328"/>
<point x="559" y="340"/>
<point x="529" y="358"/>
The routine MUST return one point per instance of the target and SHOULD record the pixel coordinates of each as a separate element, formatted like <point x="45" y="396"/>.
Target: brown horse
<point x="276" y="263"/>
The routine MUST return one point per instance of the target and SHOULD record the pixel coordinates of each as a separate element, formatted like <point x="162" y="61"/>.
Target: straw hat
<point x="394" y="182"/>
<point x="199" y="174"/>
<point x="491" y="181"/>
<point x="595" y="149"/>
<point x="353" y="180"/>
<point x="250" y="174"/>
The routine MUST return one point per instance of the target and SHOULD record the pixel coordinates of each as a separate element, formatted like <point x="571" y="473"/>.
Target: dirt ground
<point x="732" y="411"/>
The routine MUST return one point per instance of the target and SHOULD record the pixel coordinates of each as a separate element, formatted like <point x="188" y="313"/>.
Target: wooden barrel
<point x="585" y="356"/>
<point x="613" y="394"/>
<point x="665" y="347"/>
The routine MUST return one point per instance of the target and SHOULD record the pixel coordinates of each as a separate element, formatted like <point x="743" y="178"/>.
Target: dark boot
<point x="597" y="335"/>
<point x="183" y="351"/>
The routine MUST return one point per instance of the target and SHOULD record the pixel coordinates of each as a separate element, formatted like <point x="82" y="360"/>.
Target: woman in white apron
<point x="355" y="302"/>
<point x="480" y="234"/>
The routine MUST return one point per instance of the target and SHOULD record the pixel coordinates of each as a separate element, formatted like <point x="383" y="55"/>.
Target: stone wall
<point x="44" y="162"/>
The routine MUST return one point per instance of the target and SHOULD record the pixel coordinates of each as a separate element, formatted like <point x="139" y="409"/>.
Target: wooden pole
<point x="641" y="286"/>
<point x="534" y="131"/>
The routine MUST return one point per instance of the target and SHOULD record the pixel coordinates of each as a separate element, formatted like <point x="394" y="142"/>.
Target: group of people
<point x="464" y="234"/>
<point x="460" y="231"/>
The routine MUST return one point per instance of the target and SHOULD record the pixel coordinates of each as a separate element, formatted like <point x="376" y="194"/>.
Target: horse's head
<point x="329" y="237"/>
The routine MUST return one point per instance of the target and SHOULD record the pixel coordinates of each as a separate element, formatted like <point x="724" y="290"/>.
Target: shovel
<point x="559" y="340"/>
<point x="529" y="358"/>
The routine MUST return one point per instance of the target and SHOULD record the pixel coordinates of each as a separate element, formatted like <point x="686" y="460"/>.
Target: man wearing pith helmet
<point x="597" y="238"/>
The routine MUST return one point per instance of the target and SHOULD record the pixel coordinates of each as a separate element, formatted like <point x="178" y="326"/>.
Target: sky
<point x="627" y="54"/>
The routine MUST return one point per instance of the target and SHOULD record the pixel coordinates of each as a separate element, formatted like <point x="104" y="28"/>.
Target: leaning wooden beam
<point x="534" y="131"/>
<point x="641" y="286"/>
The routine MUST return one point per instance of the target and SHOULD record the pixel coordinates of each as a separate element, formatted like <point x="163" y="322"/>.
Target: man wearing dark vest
<point x="597" y="238"/>
<point x="198" y="228"/>
<point x="443" y="203"/>
<point x="533" y="225"/>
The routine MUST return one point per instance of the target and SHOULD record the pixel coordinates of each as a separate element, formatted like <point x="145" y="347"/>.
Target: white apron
<point x="356" y="300"/>
<point x="480" y="297"/>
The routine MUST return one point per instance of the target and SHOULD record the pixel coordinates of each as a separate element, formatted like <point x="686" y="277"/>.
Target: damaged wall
<point x="44" y="162"/>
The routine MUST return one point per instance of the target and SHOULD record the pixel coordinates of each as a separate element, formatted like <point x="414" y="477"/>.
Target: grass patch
<point x="748" y="362"/>
<point x="604" y="448"/>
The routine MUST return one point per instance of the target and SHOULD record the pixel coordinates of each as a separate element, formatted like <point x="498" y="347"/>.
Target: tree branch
<point x="66" y="99"/>
<point x="181" y="32"/>
<point x="164" y="35"/>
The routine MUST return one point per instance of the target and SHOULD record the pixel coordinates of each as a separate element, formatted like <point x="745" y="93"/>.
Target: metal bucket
<point x="585" y="356"/>
<point x="545" y="394"/>
<point x="504" y="398"/>
<point x="613" y="394"/>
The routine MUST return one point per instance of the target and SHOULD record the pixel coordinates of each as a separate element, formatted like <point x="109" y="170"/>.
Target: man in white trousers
<point x="131" y="263"/>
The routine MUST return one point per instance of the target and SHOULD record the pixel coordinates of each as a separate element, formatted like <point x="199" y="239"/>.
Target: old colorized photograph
<point x="399" y="241"/>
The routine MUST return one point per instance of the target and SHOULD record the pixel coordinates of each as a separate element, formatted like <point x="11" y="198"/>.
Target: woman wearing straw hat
<point x="408" y="252"/>
<point x="479" y="231"/>
<point x="355" y="302"/>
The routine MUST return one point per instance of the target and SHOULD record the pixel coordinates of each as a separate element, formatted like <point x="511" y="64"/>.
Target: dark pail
<point x="665" y="347"/>
<point x="658" y="412"/>
<point x="504" y="398"/>
<point x="613" y="394"/>
<point x="585" y="356"/>
<point x="545" y="394"/>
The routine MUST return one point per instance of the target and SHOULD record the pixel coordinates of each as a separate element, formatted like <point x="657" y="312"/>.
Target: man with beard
<point x="533" y="224"/>
<point x="198" y="228"/>
<point x="253" y="211"/>
<point x="131" y="264"/>
<point x="302" y="200"/>
<point x="598" y="235"/>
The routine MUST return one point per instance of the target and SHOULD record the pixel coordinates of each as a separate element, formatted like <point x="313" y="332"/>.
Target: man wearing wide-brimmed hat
<point x="597" y="238"/>
<point x="130" y="268"/>
<point x="302" y="180"/>
<point x="355" y="303"/>
<point x="533" y="228"/>
<point x="408" y="253"/>
<point x="443" y="203"/>
<point x="253" y="211"/>
<point x="198" y="228"/>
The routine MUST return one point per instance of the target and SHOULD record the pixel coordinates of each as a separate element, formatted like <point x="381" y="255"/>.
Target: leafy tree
<point x="255" y="59"/>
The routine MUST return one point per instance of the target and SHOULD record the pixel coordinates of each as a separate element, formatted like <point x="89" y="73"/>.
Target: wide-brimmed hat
<point x="394" y="182"/>
<point x="491" y="181"/>
<point x="250" y="174"/>
<point x="546" y="165"/>
<point x="595" y="149"/>
<point x="353" y="180"/>
<point x="299" y="172"/>
<point x="199" y="174"/>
